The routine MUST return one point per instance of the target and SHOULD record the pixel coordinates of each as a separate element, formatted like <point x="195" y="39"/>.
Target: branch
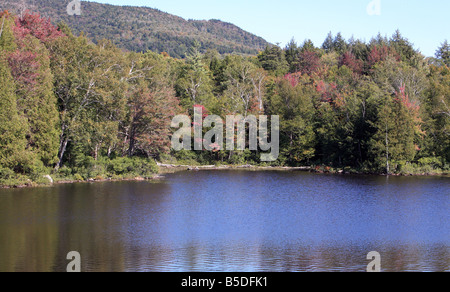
<point x="109" y="69"/>
<point x="136" y="74"/>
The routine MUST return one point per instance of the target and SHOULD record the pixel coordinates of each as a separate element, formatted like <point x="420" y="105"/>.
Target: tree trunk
<point x="62" y="150"/>
<point x="96" y="152"/>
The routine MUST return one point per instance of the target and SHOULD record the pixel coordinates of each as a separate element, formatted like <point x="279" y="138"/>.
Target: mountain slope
<point x="142" y="28"/>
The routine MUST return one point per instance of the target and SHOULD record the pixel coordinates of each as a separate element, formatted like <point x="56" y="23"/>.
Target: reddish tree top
<point x="34" y="24"/>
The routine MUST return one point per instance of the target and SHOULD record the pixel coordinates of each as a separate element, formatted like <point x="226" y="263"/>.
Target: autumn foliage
<point x="353" y="104"/>
<point x="39" y="27"/>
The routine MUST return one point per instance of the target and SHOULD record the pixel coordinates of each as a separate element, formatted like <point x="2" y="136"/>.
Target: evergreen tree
<point x="291" y="52"/>
<point x="12" y="126"/>
<point x="194" y="82"/>
<point x="30" y="66"/>
<point x="443" y="53"/>
<point x="293" y="102"/>
<point x="328" y="44"/>
<point x="403" y="47"/>
<point x="437" y="115"/>
<point x="273" y="59"/>
<point x="339" y="44"/>
<point x="7" y="40"/>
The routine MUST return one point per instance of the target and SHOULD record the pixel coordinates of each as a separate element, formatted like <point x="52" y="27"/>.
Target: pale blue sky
<point x="426" y="23"/>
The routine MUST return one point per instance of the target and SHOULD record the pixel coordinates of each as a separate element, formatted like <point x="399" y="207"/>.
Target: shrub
<point x="434" y="162"/>
<point x="65" y="171"/>
<point x="131" y="166"/>
<point x="78" y="177"/>
<point x="144" y="167"/>
<point x="119" y="166"/>
<point x="185" y="155"/>
<point x="6" y="173"/>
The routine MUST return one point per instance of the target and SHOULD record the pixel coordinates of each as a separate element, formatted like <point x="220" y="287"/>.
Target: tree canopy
<point x="74" y="107"/>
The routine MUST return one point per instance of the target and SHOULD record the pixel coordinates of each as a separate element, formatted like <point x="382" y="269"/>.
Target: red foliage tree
<point x="308" y="62"/>
<point x="150" y="113"/>
<point x="330" y="93"/>
<point x="403" y="98"/>
<point x="349" y="60"/>
<point x="378" y="54"/>
<point x="33" y="24"/>
<point x="24" y="68"/>
<point x="293" y="78"/>
<point x="203" y="108"/>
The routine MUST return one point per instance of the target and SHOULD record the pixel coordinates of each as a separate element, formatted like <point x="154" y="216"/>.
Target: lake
<point x="230" y="221"/>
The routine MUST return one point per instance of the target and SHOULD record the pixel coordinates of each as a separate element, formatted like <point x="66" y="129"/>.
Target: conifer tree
<point x="36" y="102"/>
<point x="12" y="127"/>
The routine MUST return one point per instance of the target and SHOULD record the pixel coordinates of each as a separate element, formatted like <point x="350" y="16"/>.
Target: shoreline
<point x="177" y="168"/>
<point x="173" y="168"/>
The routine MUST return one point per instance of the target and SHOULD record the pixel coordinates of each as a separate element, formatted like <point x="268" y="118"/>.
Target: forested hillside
<point x="140" y="28"/>
<point x="79" y="110"/>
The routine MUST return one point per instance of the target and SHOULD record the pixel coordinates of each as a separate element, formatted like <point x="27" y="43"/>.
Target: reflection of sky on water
<point x="230" y="221"/>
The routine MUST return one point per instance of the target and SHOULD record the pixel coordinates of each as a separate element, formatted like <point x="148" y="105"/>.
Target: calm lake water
<point x="230" y="221"/>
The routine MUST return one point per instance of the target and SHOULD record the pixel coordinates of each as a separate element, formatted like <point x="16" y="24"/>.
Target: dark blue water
<point x="230" y="221"/>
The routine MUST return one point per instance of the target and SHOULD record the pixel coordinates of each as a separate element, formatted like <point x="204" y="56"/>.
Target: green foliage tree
<point x="327" y="45"/>
<point x="12" y="126"/>
<point x="293" y="102"/>
<point x="7" y="40"/>
<point x="273" y="59"/>
<point x="443" y="53"/>
<point x="291" y="52"/>
<point x="437" y="114"/>
<point x="67" y="101"/>
<point x="244" y="86"/>
<point x="36" y="102"/>
<point x="194" y="82"/>
<point x="90" y="91"/>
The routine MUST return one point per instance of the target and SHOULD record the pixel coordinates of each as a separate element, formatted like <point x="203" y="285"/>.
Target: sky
<point x="425" y="23"/>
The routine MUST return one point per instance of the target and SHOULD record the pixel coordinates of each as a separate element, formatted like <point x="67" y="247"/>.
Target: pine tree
<point x="7" y="43"/>
<point x="443" y="53"/>
<point x="339" y="44"/>
<point x="291" y="52"/>
<point x="327" y="45"/>
<point x="12" y="127"/>
<point x="36" y="102"/>
<point x="403" y="47"/>
<point x="273" y="59"/>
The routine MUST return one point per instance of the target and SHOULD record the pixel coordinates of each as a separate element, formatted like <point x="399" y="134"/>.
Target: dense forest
<point x="81" y="110"/>
<point x="140" y="29"/>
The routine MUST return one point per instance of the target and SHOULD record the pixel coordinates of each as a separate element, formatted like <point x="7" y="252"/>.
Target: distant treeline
<point x="140" y="29"/>
<point x="83" y="110"/>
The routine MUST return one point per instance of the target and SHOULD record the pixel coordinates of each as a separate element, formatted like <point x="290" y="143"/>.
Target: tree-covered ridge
<point x="82" y="110"/>
<point x="140" y="29"/>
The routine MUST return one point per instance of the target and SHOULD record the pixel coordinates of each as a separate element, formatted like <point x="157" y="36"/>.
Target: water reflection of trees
<point x="119" y="227"/>
<point x="38" y="227"/>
